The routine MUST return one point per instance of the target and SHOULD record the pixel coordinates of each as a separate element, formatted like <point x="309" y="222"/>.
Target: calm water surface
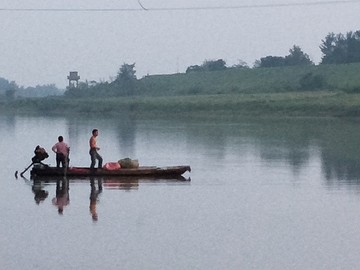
<point x="264" y="194"/>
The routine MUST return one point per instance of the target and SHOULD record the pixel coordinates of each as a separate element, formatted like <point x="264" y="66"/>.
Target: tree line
<point x="10" y="90"/>
<point x="296" y="57"/>
<point x="335" y="48"/>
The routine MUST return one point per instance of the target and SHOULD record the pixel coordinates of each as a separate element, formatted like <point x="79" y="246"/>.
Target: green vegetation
<point x="343" y="77"/>
<point x="286" y="86"/>
<point x="325" y="90"/>
<point x="294" y="72"/>
<point x="273" y="104"/>
<point x="341" y="49"/>
<point x="260" y="80"/>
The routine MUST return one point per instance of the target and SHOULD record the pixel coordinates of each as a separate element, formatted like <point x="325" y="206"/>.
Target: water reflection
<point x="94" y="196"/>
<point x="126" y="184"/>
<point x="133" y="183"/>
<point x="242" y="189"/>
<point x="126" y="135"/>
<point x="39" y="186"/>
<point x="39" y="193"/>
<point x="38" y="189"/>
<point x="338" y="171"/>
<point x="291" y="142"/>
<point x="62" y="198"/>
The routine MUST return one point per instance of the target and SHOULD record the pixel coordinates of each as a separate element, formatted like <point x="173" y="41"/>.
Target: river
<point x="262" y="194"/>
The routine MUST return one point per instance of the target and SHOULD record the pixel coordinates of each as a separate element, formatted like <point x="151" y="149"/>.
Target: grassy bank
<point x="316" y="104"/>
<point x="286" y="91"/>
<point x="260" y="80"/>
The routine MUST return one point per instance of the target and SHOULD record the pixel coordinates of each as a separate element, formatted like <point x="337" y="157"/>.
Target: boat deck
<point x="86" y="171"/>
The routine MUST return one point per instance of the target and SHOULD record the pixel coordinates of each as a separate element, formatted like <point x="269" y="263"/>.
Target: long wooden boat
<point x="171" y="171"/>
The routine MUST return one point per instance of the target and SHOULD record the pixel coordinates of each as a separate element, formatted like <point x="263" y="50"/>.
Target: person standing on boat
<point x="94" y="150"/>
<point x="61" y="149"/>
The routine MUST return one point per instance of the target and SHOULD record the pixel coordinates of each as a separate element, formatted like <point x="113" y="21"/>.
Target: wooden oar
<point x="22" y="173"/>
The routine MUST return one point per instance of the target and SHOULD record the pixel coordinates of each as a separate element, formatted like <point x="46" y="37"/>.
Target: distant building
<point x="74" y="76"/>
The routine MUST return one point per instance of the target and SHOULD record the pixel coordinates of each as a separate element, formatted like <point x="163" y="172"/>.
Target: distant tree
<point x="126" y="73"/>
<point x="272" y="61"/>
<point x="214" y="65"/>
<point x="353" y="46"/>
<point x="39" y="91"/>
<point x="125" y="81"/>
<point x="333" y="49"/>
<point x="4" y="85"/>
<point x="257" y="63"/>
<point x="92" y="83"/>
<point x="194" y="68"/>
<point x="241" y="64"/>
<point x="340" y="49"/>
<point x="297" y="57"/>
<point x="208" y="65"/>
<point x="83" y="85"/>
<point x="10" y="92"/>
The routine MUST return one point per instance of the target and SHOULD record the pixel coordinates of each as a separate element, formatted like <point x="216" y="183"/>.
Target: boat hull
<point x="44" y="171"/>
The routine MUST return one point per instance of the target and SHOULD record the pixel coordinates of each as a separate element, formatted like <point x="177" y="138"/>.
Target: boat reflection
<point x="40" y="186"/>
<point x="62" y="198"/>
<point x="133" y="183"/>
<point x="127" y="183"/>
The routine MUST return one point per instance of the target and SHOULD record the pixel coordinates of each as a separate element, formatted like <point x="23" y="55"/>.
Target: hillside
<point x="326" y="90"/>
<point x="260" y="80"/>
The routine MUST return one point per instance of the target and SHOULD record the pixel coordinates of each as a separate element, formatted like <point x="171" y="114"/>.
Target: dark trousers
<point x="95" y="156"/>
<point x="61" y="159"/>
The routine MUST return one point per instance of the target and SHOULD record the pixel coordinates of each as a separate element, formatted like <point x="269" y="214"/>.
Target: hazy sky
<point x="41" y="41"/>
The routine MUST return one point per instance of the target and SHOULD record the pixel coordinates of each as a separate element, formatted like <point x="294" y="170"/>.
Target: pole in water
<point x="21" y="174"/>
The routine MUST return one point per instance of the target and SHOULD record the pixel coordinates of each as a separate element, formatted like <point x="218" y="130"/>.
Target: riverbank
<point x="310" y="91"/>
<point x="292" y="104"/>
